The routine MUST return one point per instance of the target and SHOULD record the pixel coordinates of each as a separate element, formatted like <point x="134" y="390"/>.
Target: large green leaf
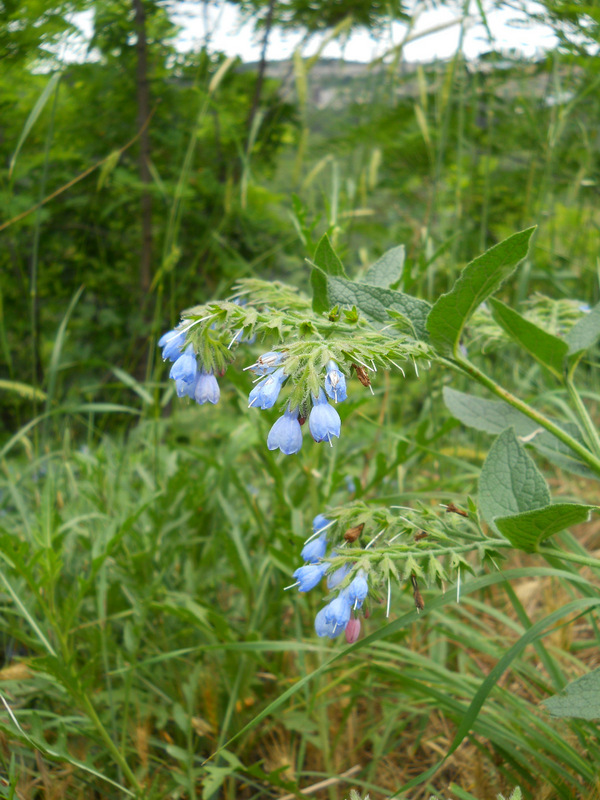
<point x="580" y="698"/>
<point x="328" y="263"/>
<point x="510" y="482"/>
<point x="374" y="302"/>
<point x="387" y="269"/>
<point x="585" y="333"/>
<point x="493" y="416"/>
<point x="526" y="531"/>
<point x="549" y="350"/>
<point x="479" y="279"/>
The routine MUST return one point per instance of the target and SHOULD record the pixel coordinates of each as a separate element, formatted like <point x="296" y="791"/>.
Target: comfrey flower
<point x="320" y="522"/>
<point x="335" y="578"/>
<point x="186" y="366"/>
<point x="316" y="545"/>
<point x="185" y="389"/>
<point x="325" y="628"/>
<point x="206" y="389"/>
<point x="309" y="576"/>
<point x="334" y="618"/>
<point x="268" y="362"/>
<point x="324" y="421"/>
<point x="171" y="343"/>
<point x="358" y="589"/>
<point x="286" y="434"/>
<point x="335" y="383"/>
<point x="338" y="611"/>
<point x="314" y="550"/>
<point x="267" y="391"/>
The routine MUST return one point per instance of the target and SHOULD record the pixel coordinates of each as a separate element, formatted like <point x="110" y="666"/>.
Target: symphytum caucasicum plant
<point x="321" y="353"/>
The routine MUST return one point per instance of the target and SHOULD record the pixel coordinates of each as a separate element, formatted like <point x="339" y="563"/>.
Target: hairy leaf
<point x="387" y="269"/>
<point x="493" y="416"/>
<point x="585" y="333"/>
<point x="580" y="698"/>
<point x="373" y="302"/>
<point x="549" y="350"/>
<point x="526" y="531"/>
<point x="328" y="262"/>
<point x="510" y="482"/>
<point x="476" y="283"/>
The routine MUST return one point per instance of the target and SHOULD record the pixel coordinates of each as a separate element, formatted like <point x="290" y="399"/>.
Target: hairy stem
<point x="584" y="417"/>
<point x="592" y="461"/>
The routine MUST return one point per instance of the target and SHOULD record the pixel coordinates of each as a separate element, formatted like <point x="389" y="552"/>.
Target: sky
<point x="230" y="35"/>
<point x="434" y="36"/>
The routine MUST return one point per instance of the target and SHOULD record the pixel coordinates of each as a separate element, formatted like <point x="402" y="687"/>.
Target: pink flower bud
<point x="353" y="630"/>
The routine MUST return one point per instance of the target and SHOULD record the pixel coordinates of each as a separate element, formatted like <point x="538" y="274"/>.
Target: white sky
<point x="229" y="34"/>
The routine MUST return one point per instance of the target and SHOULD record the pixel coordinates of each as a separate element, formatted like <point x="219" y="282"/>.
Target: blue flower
<point x="338" y="612"/>
<point x="267" y="391"/>
<point x="335" y="578"/>
<point x="184" y="389"/>
<point x="309" y="575"/>
<point x="172" y="342"/>
<point x="358" y="589"/>
<point x="286" y="434"/>
<point x="325" y="628"/>
<point x="267" y="362"/>
<point x="206" y="389"/>
<point x="324" y="421"/>
<point x="320" y="522"/>
<point x="335" y="383"/>
<point x="186" y="367"/>
<point x="314" y="550"/>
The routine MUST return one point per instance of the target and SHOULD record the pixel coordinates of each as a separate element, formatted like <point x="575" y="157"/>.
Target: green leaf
<point x="374" y="302"/>
<point x="328" y="262"/>
<point x="33" y="117"/>
<point x="579" y="699"/>
<point x="526" y="531"/>
<point x="134" y="385"/>
<point x="22" y="389"/>
<point x="387" y="269"/>
<point x="327" y="259"/>
<point x="494" y="416"/>
<point x="476" y="283"/>
<point x="510" y="482"/>
<point x="549" y="350"/>
<point x="585" y="333"/>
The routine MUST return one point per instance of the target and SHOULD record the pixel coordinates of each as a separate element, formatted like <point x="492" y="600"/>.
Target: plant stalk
<point x="592" y="461"/>
<point x="584" y="417"/>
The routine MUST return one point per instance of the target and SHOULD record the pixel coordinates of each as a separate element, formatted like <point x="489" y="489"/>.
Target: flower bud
<point x="353" y="630"/>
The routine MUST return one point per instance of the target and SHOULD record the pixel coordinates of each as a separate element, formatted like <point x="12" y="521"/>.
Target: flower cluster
<point x="340" y="613"/>
<point x="190" y="379"/>
<point x="323" y="420"/>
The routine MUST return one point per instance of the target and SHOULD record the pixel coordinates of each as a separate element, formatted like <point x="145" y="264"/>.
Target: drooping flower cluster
<point x="190" y="379"/>
<point x="340" y="613"/>
<point x="323" y="420"/>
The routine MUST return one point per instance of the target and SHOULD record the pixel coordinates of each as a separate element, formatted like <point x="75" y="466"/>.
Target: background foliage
<point x="145" y="542"/>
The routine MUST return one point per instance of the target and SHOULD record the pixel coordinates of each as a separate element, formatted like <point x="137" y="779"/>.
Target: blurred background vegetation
<point x="144" y="543"/>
